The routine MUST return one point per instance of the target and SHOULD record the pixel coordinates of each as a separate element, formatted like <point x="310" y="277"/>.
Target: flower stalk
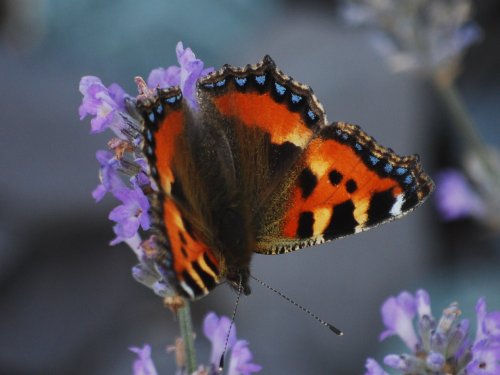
<point x="187" y="334"/>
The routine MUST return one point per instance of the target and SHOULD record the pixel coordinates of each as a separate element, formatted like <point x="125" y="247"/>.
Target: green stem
<point x="465" y="125"/>
<point x="186" y="326"/>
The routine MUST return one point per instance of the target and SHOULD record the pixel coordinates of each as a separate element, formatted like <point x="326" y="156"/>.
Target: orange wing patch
<point x="344" y="183"/>
<point x="195" y="267"/>
<point x="164" y="121"/>
<point x="263" y="112"/>
<point x="168" y="131"/>
<point x="261" y="96"/>
<point x="339" y="201"/>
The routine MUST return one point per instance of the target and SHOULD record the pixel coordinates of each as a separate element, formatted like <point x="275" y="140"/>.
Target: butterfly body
<point x="258" y="169"/>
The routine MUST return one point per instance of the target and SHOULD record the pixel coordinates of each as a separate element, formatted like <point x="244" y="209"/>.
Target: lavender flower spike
<point x="143" y="365"/>
<point x="442" y="348"/>
<point x="103" y="103"/>
<point x="131" y="215"/>
<point x="185" y="76"/>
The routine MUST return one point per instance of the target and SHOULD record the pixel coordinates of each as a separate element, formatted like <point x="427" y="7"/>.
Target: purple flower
<point x="455" y="198"/>
<point x="435" y="361"/>
<point x="108" y="174"/>
<point x="397" y="314"/>
<point x="481" y="312"/>
<point x="103" y="103"/>
<point x="403" y="362"/>
<point x="373" y="368"/>
<point x="185" y="76"/>
<point x="130" y="215"/>
<point x="215" y="329"/>
<point x="141" y="178"/>
<point x="423" y="303"/>
<point x="241" y="360"/>
<point x="443" y="347"/>
<point x="143" y="365"/>
<point x="485" y="358"/>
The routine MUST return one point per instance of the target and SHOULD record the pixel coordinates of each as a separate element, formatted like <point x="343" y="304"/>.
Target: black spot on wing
<point x="335" y="177"/>
<point x="380" y="206"/>
<point x="182" y="238"/>
<point x="306" y="222"/>
<point x="342" y="221"/>
<point x="307" y="182"/>
<point x="351" y="186"/>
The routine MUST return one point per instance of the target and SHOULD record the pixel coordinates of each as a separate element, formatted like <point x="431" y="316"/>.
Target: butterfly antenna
<point x="240" y="288"/>
<point x="331" y="327"/>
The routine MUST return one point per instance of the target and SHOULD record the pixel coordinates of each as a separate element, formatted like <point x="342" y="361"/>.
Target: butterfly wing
<point x="344" y="183"/>
<point x="267" y="119"/>
<point x="304" y="182"/>
<point x="185" y="256"/>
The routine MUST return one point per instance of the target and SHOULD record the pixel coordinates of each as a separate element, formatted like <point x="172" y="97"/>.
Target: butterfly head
<point x="238" y="278"/>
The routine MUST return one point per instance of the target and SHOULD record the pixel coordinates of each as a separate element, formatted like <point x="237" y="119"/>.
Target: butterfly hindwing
<point x="344" y="183"/>
<point x="184" y="256"/>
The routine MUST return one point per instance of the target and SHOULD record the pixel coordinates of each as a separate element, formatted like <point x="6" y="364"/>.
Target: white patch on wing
<point x="187" y="289"/>
<point x="396" y="207"/>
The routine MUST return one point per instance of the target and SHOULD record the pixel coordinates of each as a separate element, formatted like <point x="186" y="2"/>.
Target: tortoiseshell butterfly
<point x="258" y="169"/>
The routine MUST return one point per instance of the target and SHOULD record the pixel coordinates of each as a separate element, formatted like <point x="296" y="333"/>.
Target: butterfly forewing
<point x="267" y="119"/>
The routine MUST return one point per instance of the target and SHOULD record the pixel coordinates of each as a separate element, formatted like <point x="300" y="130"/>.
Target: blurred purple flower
<point x="443" y="347"/>
<point x="241" y="360"/>
<point x="130" y="215"/>
<point x="143" y="365"/>
<point x="185" y="76"/>
<point x="215" y="329"/>
<point x="485" y="358"/>
<point x="423" y="303"/>
<point x="397" y="314"/>
<point x="416" y="35"/>
<point x="108" y="174"/>
<point x="455" y="198"/>
<point x="373" y="368"/>
<point x="481" y="312"/>
<point x="103" y="103"/>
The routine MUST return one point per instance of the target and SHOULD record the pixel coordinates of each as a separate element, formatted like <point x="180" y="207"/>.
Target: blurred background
<point x="68" y="303"/>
